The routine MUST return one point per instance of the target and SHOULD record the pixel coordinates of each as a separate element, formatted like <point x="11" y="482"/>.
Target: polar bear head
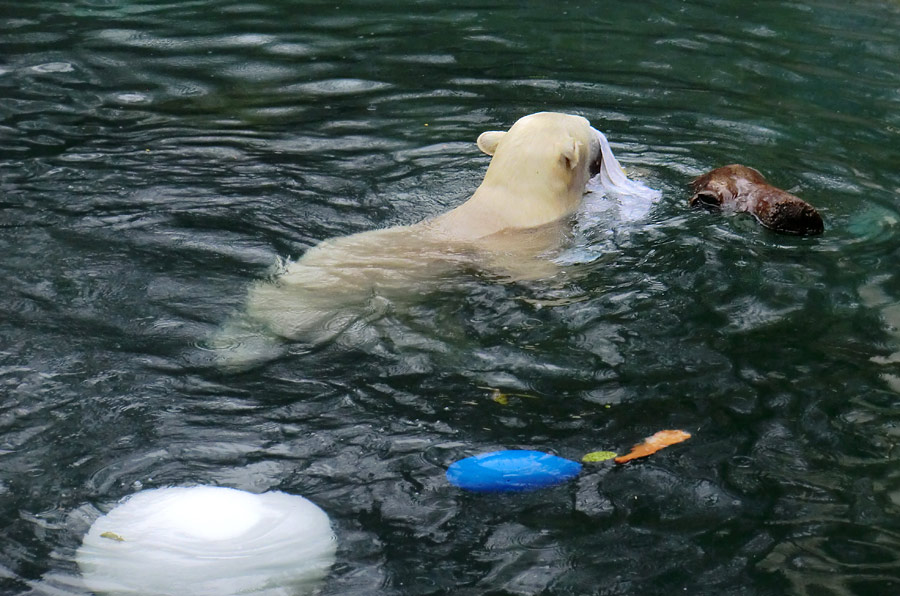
<point x="537" y="175"/>
<point x="561" y="148"/>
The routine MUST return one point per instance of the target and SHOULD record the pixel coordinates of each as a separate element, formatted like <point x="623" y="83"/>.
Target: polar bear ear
<point x="488" y="141"/>
<point x="570" y="153"/>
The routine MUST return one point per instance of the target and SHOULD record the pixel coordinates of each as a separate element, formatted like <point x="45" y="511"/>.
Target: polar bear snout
<point x="596" y="152"/>
<point x="596" y="165"/>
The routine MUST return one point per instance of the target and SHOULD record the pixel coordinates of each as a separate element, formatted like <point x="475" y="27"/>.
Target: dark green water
<point x="157" y="157"/>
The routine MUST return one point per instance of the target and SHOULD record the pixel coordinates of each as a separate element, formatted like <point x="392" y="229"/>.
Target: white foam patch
<point x="208" y="541"/>
<point x="635" y="199"/>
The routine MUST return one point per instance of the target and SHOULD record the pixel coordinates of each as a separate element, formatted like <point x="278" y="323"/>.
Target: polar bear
<point x="516" y="218"/>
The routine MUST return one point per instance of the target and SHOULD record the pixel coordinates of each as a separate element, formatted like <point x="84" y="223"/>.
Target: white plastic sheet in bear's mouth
<point x="612" y="204"/>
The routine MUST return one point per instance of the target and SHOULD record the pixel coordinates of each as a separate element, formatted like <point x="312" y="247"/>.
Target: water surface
<point x="158" y="158"/>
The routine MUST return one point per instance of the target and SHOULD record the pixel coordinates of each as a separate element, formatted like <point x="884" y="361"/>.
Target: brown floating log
<point x="744" y="190"/>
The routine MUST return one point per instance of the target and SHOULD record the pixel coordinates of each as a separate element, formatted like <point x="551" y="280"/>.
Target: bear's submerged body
<point x="512" y="225"/>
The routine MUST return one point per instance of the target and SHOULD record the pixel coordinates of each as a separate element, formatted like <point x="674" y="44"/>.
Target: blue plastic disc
<point x="512" y="470"/>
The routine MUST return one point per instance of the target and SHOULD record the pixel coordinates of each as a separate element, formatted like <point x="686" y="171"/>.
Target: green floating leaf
<point x="595" y="456"/>
<point x="500" y="397"/>
<point x="503" y="398"/>
<point x="112" y="536"/>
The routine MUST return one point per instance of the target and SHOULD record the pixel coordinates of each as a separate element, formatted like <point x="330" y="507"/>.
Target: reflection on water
<point x="158" y="158"/>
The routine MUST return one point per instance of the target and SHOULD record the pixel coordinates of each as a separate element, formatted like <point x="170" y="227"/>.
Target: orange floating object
<point x="652" y="444"/>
